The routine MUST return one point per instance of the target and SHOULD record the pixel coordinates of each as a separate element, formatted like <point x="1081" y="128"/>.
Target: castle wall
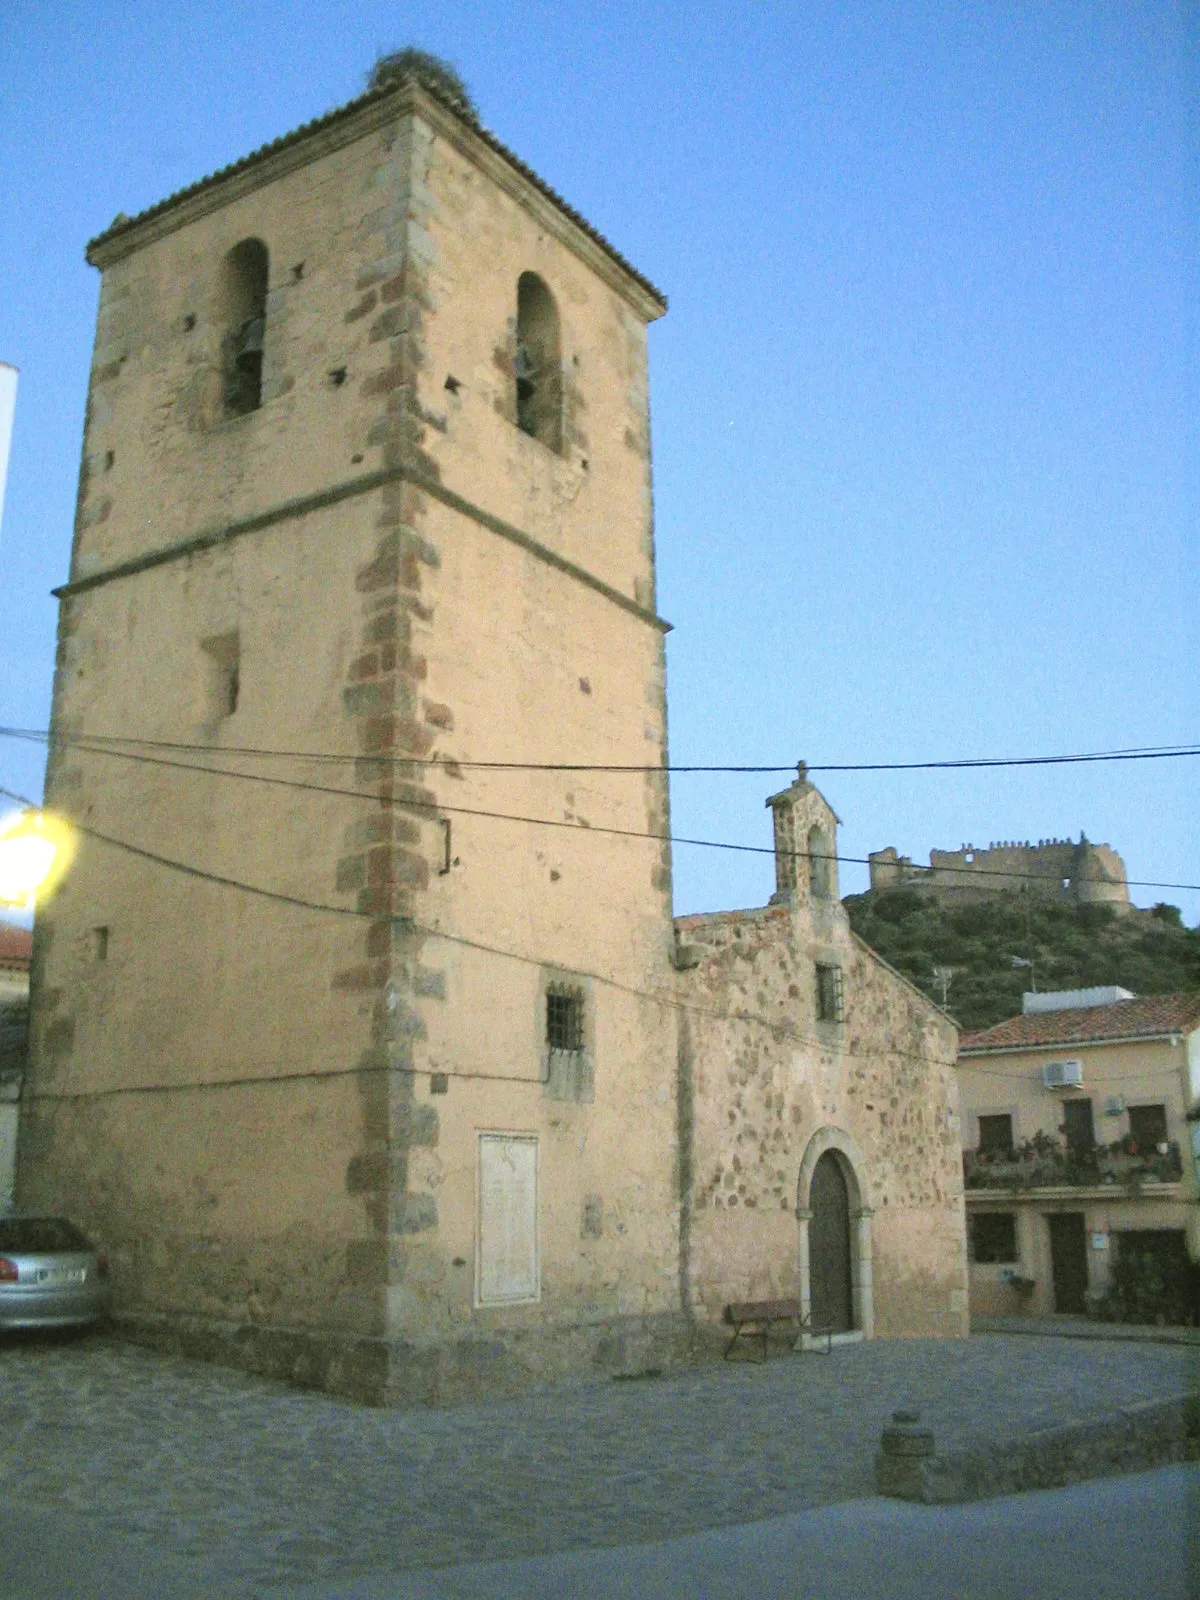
<point x="1073" y="874"/>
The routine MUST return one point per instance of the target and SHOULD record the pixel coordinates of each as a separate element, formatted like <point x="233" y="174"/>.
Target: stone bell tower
<point x="362" y="1056"/>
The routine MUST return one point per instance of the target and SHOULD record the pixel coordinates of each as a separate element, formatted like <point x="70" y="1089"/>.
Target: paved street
<point x="1111" y="1540"/>
<point x="276" y="1488"/>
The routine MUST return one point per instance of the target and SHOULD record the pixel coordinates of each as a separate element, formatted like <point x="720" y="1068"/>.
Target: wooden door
<point x="1068" y="1262"/>
<point x="1081" y="1130"/>
<point x="832" y="1298"/>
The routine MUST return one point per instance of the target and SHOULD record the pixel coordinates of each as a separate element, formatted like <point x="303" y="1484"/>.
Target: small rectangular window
<point x="996" y="1135"/>
<point x="567" y="1060"/>
<point x="100" y="944"/>
<point x="830" y="998"/>
<point x="564" y="1019"/>
<point x="993" y="1236"/>
<point x="220" y="676"/>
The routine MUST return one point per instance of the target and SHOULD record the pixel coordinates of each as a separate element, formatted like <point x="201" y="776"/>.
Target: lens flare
<point x="35" y="850"/>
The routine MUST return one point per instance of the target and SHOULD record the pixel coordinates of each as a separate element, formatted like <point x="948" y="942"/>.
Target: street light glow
<point x="35" y="850"/>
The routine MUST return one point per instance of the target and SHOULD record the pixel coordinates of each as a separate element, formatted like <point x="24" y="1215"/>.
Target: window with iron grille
<point x="564" y="1019"/>
<point x="567" y="1053"/>
<point x="830" y="1000"/>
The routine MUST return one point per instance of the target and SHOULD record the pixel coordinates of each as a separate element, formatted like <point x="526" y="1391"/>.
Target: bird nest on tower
<point x="432" y="70"/>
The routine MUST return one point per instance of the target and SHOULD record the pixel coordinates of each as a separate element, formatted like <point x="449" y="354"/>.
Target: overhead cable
<point x="406" y="924"/>
<point x="1142" y="753"/>
<point x="436" y="808"/>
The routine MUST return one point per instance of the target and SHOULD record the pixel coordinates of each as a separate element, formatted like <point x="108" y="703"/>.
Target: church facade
<point x="356" y="1026"/>
<point x="820" y="1102"/>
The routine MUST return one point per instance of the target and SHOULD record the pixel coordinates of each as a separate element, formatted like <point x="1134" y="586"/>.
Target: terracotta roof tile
<point x="15" y="947"/>
<point x="340" y="114"/>
<point x="1148" y="1016"/>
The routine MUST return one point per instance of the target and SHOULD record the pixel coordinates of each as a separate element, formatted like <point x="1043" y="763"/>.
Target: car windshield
<point x="40" y="1235"/>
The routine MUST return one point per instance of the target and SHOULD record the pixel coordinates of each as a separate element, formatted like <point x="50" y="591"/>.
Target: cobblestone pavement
<point x="282" y="1487"/>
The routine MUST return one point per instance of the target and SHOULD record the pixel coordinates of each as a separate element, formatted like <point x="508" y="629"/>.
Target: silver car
<point x="51" y="1275"/>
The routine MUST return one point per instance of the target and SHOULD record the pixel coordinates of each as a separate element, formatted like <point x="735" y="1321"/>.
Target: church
<point x="362" y="1031"/>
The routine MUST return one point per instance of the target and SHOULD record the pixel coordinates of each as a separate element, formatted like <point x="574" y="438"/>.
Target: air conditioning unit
<point x="1063" y="1074"/>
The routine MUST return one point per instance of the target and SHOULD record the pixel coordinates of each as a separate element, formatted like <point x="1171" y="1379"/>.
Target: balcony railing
<point x="1046" y="1163"/>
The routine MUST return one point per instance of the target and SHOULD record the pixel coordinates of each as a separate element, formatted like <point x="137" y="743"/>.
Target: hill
<point x="1072" y="947"/>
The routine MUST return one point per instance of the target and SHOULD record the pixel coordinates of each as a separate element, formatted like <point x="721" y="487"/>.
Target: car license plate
<point x="60" y="1275"/>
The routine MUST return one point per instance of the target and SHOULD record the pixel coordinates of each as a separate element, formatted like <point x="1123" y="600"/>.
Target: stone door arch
<point x="830" y="1184"/>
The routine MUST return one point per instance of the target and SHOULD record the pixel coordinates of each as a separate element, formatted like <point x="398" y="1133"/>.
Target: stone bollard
<point x="900" y="1464"/>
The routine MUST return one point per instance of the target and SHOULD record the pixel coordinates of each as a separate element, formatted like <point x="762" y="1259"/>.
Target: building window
<point x="830" y="996"/>
<point x="220" y="661"/>
<point x="1148" y="1126"/>
<point x="996" y="1135"/>
<point x="506" y="1255"/>
<point x="993" y="1236"/>
<point x="538" y="363"/>
<point x="567" y="1061"/>
<point x="564" y="1019"/>
<point x="244" y="312"/>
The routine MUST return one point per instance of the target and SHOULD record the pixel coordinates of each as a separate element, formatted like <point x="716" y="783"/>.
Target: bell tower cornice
<point x="372" y="112"/>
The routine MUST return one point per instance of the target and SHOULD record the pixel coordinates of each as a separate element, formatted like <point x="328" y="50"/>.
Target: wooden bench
<point x="751" y="1318"/>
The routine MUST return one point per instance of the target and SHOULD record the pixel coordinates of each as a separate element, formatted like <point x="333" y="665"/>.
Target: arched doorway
<point x="829" y="1255"/>
<point x="835" y="1272"/>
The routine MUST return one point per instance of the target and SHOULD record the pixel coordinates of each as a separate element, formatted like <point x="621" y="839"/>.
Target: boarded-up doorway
<point x="507" y="1247"/>
<point x="1068" y="1261"/>
<point x="832" y="1296"/>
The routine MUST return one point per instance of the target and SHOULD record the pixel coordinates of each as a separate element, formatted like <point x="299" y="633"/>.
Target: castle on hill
<point x="1054" y="869"/>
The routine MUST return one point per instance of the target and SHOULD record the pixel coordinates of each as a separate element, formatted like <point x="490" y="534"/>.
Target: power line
<point x="406" y="925"/>
<point x="1135" y="753"/>
<point x="436" y="808"/>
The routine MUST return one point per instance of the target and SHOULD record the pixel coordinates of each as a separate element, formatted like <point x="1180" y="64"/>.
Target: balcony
<point x="1047" y="1163"/>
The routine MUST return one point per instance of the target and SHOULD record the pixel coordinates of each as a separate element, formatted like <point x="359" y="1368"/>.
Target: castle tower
<point x="380" y="1079"/>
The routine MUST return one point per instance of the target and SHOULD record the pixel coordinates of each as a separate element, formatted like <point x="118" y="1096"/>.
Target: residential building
<point x="357" y="1021"/>
<point x="1076" y="1146"/>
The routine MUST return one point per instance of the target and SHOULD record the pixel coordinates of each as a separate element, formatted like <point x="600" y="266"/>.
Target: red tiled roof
<point x="340" y="115"/>
<point x="1149" y="1016"/>
<point x="15" y="947"/>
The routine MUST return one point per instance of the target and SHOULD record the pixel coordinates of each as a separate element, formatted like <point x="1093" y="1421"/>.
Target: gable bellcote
<point x="805" y="843"/>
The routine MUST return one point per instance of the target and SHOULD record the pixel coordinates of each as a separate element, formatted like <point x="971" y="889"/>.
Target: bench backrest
<point x="749" y="1310"/>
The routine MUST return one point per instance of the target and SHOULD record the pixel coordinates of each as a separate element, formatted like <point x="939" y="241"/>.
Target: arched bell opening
<point x="820" y="866"/>
<point x="538" y="362"/>
<point x="244" y="315"/>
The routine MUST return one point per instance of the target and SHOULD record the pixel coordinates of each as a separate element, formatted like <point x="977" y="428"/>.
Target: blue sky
<point x="925" y="484"/>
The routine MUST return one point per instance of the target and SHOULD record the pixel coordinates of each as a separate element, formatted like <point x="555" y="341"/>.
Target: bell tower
<point x="365" y="538"/>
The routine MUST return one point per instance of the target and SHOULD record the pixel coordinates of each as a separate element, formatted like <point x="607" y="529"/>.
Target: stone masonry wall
<point x="767" y="1077"/>
<point x="269" y="1104"/>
